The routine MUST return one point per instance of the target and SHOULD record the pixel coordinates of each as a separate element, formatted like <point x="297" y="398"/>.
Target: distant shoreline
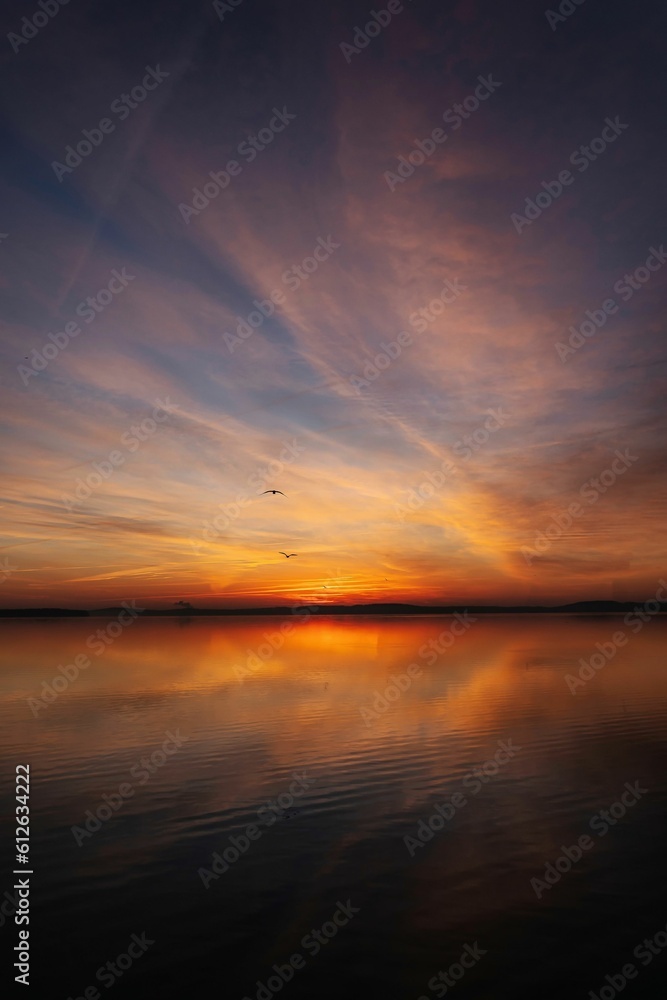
<point x="331" y="610"/>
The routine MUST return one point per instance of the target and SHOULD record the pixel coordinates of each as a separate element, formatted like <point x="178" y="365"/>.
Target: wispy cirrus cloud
<point x="323" y="177"/>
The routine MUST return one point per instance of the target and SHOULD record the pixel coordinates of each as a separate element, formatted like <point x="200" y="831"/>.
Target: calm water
<point x="366" y="783"/>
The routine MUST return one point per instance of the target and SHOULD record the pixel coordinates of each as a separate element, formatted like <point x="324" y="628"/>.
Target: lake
<point x="393" y="807"/>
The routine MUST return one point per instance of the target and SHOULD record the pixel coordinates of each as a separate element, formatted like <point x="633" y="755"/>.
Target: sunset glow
<point x="321" y="329"/>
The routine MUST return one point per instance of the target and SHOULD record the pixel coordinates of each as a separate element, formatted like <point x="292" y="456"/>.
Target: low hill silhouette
<point x="579" y="607"/>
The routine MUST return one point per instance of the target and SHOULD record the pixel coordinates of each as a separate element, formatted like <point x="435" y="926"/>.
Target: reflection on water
<point x="232" y="785"/>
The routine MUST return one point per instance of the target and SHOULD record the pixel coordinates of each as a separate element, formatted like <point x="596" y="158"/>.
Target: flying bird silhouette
<point x="275" y="491"/>
<point x="288" y="556"/>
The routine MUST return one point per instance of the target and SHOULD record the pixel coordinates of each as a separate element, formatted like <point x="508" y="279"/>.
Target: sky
<point x="422" y="299"/>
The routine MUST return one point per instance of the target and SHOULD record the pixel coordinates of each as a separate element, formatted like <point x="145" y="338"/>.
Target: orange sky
<point x="352" y="454"/>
